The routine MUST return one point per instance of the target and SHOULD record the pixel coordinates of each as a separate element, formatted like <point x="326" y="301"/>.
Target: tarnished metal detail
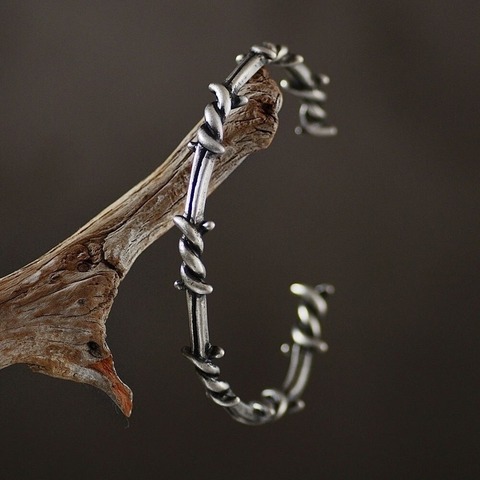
<point x="208" y="145"/>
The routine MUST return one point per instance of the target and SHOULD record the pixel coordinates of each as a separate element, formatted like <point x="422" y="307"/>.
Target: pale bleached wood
<point x="53" y="310"/>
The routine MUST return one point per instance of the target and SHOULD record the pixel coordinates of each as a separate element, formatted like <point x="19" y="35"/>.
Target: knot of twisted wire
<point x="192" y="271"/>
<point x="217" y="390"/>
<point x="276" y="54"/>
<point x="312" y="306"/>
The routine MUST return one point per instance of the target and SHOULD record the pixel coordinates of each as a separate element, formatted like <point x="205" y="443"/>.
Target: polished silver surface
<point x="306" y="333"/>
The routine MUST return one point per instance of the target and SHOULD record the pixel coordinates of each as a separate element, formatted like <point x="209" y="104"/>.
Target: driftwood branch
<point x="53" y="310"/>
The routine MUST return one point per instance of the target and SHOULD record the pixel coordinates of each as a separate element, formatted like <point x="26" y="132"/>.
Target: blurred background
<point x="95" y="95"/>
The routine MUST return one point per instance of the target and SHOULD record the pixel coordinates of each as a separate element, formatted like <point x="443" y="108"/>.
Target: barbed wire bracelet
<point x="306" y="333"/>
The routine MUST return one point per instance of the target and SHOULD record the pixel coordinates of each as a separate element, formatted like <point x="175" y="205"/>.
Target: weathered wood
<point x="53" y="310"/>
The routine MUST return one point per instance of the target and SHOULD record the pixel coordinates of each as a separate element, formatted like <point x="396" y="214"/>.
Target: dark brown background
<point x="94" y="95"/>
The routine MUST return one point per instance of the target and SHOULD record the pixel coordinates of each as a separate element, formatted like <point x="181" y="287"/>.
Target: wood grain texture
<point x="53" y="310"/>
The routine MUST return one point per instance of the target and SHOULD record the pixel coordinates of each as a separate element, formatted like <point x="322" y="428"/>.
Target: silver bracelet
<point x="306" y="333"/>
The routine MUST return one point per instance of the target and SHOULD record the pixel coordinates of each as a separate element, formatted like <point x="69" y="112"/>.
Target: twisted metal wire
<point x="304" y="84"/>
<point x="192" y="271"/>
<point x="274" y="403"/>
<point x="306" y="333"/>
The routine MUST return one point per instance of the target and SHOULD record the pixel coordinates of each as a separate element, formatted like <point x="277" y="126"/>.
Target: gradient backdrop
<point x="94" y="95"/>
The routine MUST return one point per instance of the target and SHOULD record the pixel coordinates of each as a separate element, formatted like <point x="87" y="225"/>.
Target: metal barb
<point x="306" y="333"/>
